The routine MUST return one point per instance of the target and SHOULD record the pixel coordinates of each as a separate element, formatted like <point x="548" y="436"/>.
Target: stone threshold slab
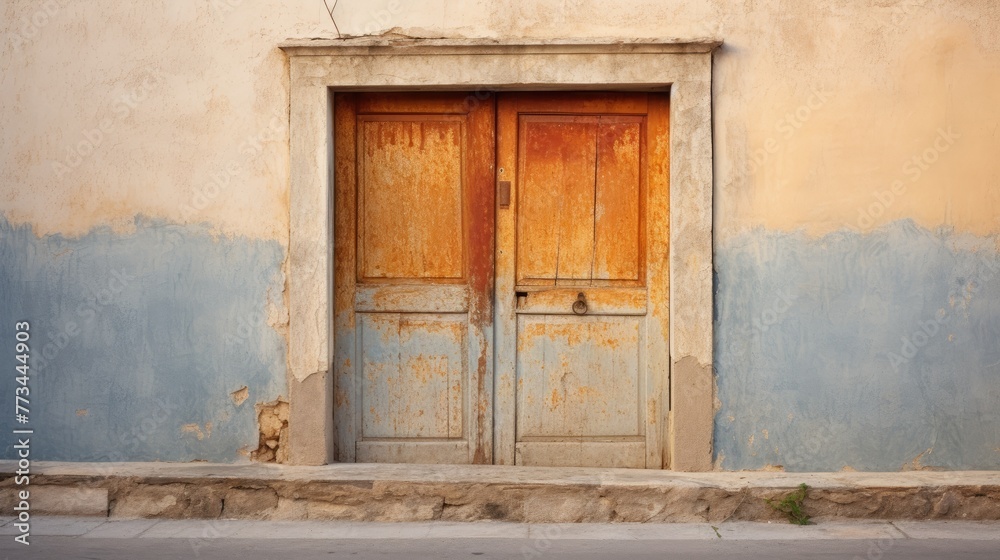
<point x="395" y="493"/>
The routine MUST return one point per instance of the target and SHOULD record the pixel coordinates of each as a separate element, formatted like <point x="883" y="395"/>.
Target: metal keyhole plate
<point x="580" y="305"/>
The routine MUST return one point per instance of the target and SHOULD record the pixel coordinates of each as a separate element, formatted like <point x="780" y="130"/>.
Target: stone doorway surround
<point x="319" y="68"/>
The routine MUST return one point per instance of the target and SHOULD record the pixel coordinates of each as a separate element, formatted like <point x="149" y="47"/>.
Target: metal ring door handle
<point x="580" y="305"/>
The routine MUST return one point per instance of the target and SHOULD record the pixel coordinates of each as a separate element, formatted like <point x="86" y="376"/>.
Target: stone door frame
<point x="321" y="67"/>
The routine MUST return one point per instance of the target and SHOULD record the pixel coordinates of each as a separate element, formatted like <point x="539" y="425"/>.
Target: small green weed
<point x="791" y="505"/>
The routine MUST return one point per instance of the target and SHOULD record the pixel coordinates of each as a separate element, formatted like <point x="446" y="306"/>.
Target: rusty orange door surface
<point x="414" y="217"/>
<point x="567" y="302"/>
<point x="581" y="279"/>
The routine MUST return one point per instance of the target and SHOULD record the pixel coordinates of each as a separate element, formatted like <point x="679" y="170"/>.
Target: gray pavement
<point x="100" y="538"/>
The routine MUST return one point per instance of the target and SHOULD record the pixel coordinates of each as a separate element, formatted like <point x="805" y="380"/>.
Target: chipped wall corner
<point x="272" y="421"/>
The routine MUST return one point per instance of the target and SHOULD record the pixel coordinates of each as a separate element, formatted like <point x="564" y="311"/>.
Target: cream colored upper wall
<point x="177" y="110"/>
<point x="820" y="117"/>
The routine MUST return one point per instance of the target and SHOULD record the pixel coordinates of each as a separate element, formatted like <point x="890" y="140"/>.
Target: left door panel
<point x="413" y="277"/>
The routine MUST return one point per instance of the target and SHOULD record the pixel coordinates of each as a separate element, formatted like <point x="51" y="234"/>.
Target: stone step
<point x="387" y="492"/>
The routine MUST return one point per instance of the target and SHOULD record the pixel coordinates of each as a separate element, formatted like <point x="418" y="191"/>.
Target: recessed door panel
<point x="413" y="278"/>
<point x="556" y="206"/>
<point x="580" y="211"/>
<point x="414" y="371"/>
<point x="618" y="204"/>
<point x="579" y="377"/>
<point x="410" y="197"/>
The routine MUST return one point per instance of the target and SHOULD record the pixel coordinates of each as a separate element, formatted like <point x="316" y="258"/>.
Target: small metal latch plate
<point x="503" y="194"/>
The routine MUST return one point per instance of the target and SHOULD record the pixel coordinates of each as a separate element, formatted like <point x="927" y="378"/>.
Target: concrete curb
<point x="477" y="493"/>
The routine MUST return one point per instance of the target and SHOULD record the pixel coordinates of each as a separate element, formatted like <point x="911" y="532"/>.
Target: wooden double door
<point x="501" y="276"/>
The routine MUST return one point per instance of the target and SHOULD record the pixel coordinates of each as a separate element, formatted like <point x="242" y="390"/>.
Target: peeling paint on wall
<point x="834" y="350"/>
<point x="134" y="356"/>
<point x="272" y="421"/>
<point x="240" y="395"/>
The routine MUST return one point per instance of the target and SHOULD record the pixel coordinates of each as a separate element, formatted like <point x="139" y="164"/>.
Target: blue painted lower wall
<point x="138" y="340"/>
<point x="873" y="352"/>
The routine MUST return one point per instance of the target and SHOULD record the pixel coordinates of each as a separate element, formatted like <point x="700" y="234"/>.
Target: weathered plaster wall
<point x="178" y="111"/>
<point x="869" y="351"/>
<point x="139" y="341"/>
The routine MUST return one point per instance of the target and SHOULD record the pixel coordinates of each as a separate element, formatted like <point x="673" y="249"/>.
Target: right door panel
<point x="581" y="350"/>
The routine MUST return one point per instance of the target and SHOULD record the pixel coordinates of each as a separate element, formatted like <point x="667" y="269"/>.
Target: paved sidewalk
<point x="89" y="539"/>
<point x="207" y="530"/>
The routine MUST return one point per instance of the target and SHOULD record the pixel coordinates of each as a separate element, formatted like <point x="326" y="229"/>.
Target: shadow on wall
<point x="874" y="352"/>
<point x="142" y="343"/>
